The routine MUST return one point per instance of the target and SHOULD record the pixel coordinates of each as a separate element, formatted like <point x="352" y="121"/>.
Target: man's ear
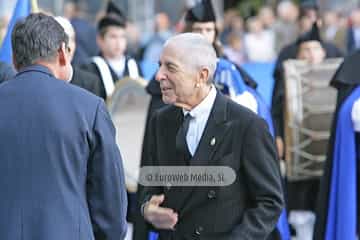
<point x="62" y="55"/>
<point x="204" y="75"/>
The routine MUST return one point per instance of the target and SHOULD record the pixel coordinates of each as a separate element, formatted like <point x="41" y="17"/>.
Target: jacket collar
<point x="36" y="68"/>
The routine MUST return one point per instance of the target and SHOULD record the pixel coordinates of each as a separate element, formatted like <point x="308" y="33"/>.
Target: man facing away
<point x="202" y="127"/>
<point x="62" y="175"/>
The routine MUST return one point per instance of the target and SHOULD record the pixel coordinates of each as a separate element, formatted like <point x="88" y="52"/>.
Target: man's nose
<point x="159" y="75"/>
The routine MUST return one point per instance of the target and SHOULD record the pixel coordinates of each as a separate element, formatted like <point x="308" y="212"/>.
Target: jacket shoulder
<point x="241" y="114"/>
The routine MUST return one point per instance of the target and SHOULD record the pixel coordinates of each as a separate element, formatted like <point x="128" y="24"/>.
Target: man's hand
<point x="280" y="147"/>
<point x="159" y="217"/>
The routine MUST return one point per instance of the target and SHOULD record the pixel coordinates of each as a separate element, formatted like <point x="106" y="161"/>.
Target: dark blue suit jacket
<point x="61" y="171"/>
<point x="6" y="72"/>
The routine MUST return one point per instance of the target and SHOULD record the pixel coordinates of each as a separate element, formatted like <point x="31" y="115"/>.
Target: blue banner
<point x="262" y="73"/>
<point x="341" y="218"/>
<point x="22" y="9"/>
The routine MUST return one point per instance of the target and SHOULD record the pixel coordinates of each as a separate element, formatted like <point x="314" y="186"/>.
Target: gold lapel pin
<point x="213" y="141"/>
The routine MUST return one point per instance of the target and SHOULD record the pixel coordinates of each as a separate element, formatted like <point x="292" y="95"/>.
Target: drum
<point x="309" y="107"/>
<point x="128" y="109"/>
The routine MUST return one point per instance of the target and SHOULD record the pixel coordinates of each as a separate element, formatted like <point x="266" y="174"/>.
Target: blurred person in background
<point x="302" y="194"/>
<point x="305" y="23"/>
<point x="235" y="49"/>
<point x="154" y="45"/>
<point x="310" y="9"/>
<point x="332" y="30"/>
<point x="310" y="48"/>
<point x="70" y="10"/>
<point x="81" y="78"/>
<point x="134" y="40"/>
<point x="290" y="52"/>
<point x="84" y="30"/>
<point x="225" y="27"/>
<point x="285" y="26"/>
<point x="259" y="43"/>
<point x="267" y="17"/>
<point x="353" y="33"/>
<point x="234" y="24"/>
<point x="112" y="64"/>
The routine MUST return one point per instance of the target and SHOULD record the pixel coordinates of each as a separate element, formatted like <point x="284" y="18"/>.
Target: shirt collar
<point x="205" y="106"/>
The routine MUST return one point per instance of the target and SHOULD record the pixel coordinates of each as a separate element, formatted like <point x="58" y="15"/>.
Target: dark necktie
<point x="181" y="144"/>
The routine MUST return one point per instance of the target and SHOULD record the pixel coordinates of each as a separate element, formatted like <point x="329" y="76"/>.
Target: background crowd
<point x="256" y="40"/>
<point x="257" y="36"/>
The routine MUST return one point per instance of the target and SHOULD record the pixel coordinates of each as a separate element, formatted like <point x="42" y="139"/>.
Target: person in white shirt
<point x="259" y="43"/>
<point x="112" y="63"/>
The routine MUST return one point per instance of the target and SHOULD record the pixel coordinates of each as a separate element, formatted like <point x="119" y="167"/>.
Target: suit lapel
<point x="172" y="124"/>
<point x="212" y="137"/>
<point x="213" y="133"/>
<point x="170" y="127"/>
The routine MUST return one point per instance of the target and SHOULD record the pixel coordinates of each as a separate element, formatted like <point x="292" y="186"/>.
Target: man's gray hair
<point x="37" y="37"/>
<point x="196" y="51"/>
<point x="66" y="24"/>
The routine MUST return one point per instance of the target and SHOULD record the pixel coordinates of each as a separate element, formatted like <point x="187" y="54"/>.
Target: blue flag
<point x="262" y="73"/>
<point x="227" y="75"/>
<point x="341" y="218"/>
<point x="153" y="236"/>
<point x="22" y="9"/>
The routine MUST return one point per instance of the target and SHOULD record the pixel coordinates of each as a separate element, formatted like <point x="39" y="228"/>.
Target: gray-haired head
<point x="195" y="50"/>
<point x="37" y="37"/>
<point x="70" y="31"/>
<point x="66" y="24"/>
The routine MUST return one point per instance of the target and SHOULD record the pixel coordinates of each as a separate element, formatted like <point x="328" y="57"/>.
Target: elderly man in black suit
<point x="201" y="127"/>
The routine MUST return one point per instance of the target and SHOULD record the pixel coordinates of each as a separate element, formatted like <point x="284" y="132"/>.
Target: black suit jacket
<point x="92" y="68"/>
<point x="247" y="209"/>
<point x="86" y="80"/>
